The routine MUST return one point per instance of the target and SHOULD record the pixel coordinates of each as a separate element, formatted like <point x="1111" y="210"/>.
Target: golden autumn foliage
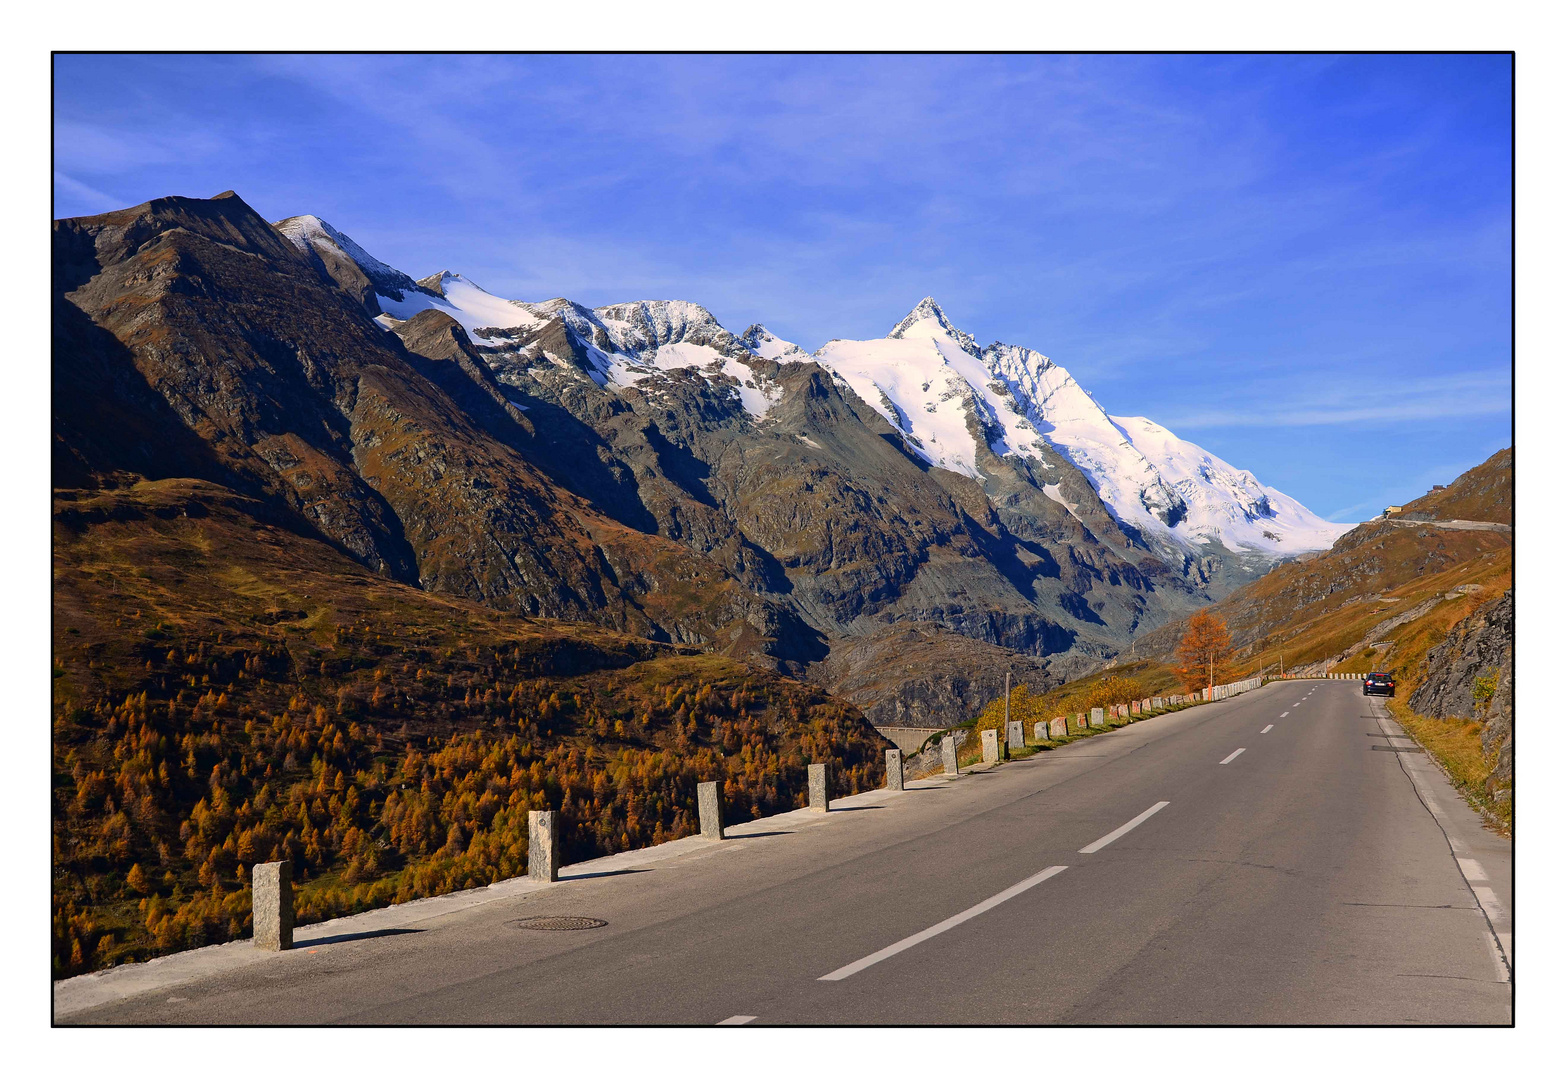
<point x="1204" y="654"/>
<point x="399" y="773"/>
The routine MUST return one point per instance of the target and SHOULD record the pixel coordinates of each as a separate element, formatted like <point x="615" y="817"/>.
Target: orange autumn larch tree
<point x="1205" y="651"/>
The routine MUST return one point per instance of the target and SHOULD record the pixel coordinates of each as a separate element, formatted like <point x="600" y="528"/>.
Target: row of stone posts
<point x="992" y="751"/>
<point x="272" y="893"/>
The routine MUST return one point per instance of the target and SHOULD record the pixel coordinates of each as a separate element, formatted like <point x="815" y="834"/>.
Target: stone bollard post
<point x="988" y="751"/>
<point x="1015" y="734"/>
<point x="1059" y="728"/>
<point x="710" y="810"/>
<point x="1082" y="722"/>
<point x="1042" y="730"/>
<point x="544" y="848"/>
<point x="895" y="770"/>
<point x="1096" y="717"/>
<point x="272" y="906"/>
<point x="817" y="783"/>
<point x="949" y="756"/>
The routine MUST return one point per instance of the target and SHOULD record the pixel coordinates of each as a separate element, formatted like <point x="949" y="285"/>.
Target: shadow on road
<point x="339" y="938"/>
<point x="606" y="873"/>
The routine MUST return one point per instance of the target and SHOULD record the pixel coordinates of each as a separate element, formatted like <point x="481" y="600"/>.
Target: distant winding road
<point x="1453" y="523"/>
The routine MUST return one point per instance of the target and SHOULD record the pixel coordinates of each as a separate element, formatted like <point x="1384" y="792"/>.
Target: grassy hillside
<point x="229" y="692"/>
<point x="1485" y="493"/>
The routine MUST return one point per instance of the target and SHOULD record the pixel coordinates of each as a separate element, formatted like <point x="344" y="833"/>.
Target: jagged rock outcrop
<point x="1471" y="675"/>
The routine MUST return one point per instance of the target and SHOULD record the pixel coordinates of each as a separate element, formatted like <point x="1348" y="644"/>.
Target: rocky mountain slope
<point x="998" y="414"/>
<point x="640" y="466"/>
<point x="1470" y="675"/>
<point x="194" y="340"/>
<point x="918" y="480"/>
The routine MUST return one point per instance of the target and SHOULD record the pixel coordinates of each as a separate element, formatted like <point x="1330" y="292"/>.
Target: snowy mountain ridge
<point x="930" y="381"/>
<point x="308" y="232"/>
<point x="956" y="405"/>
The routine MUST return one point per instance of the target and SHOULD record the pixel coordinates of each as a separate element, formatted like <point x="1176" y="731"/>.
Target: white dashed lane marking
<point x="942" y="927"/>
<point x="1117" y="834"/>
<point x="1266" y="730"/>
<point x="735" y="1021"/>
<point x="1234" y="756"/>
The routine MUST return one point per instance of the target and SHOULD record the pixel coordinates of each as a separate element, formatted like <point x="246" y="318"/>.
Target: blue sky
<point x="1301" y="263"/>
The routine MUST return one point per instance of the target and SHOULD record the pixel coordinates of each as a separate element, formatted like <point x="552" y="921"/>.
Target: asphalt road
<point x="1303" y="880"/>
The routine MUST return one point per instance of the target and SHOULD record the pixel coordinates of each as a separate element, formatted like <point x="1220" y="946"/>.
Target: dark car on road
<point x="1379" y="682"/>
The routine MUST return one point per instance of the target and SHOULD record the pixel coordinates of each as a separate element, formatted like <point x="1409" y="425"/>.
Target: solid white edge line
<point x="735" y="1021"/>
<point x="1117" y="834"/>
<point x="1488" y="907"/>
<point x="1234" y="756"/>
<point x="1472" y="870"/>
<point x="1266" y="730"/>
<point x="1490" y="904"/>
<point x="942" y="927"/>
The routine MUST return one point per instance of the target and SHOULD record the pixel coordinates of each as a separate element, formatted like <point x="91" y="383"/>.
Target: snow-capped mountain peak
<point x="762" y="341"/>
<point x="950" y="399"/>
<point x="928" y="319"/>
<point x="313" y="236"/>
<point x="308" y="229"/>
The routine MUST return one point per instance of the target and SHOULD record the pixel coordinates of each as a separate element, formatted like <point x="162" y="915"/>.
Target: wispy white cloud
<point x="83" y="197"/>
<point x="1361" y="402"/>
<point x="98" y="149"/>
<point x="1407" y="488"/>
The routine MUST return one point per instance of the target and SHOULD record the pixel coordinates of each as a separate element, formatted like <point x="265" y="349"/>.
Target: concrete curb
<point x="83" y="992"/>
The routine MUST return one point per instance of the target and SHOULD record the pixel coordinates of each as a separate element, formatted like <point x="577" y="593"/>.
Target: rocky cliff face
<point x="1471" y="674"/>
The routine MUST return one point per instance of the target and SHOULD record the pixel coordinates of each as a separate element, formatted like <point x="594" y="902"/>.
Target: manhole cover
<point x="559" y="922"/>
